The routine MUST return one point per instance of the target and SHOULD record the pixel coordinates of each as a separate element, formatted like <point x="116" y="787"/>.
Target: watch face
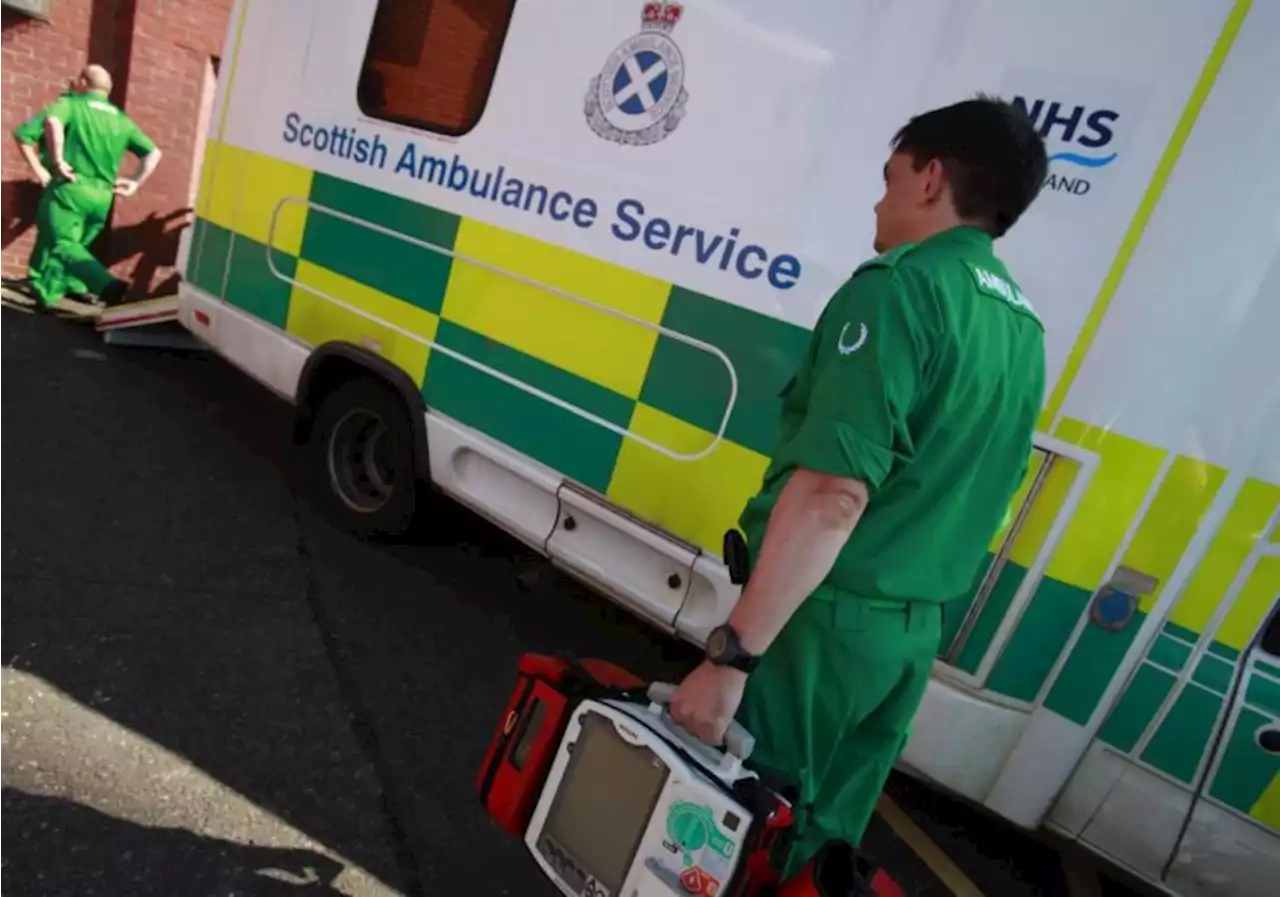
<point x="718" y="643"/>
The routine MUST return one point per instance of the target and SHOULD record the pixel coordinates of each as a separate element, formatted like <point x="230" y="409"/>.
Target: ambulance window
<point x="430" y="63"/>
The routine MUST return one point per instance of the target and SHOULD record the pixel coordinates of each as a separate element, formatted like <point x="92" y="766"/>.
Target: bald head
<point x="96" y="78"/>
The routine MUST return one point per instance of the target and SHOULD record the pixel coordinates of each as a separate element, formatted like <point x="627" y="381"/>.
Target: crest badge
<point x="639" y="97"/>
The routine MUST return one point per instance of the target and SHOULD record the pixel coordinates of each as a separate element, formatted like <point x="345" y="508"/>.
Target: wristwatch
<point x="724" y="649"/>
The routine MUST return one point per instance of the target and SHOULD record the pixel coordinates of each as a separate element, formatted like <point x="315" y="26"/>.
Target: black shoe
<point x="115" y="293"/>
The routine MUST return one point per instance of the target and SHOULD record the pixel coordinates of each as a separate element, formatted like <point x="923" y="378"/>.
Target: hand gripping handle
<point x="738" y="742"/>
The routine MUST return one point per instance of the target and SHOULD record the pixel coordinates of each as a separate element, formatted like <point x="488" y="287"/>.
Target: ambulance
<point x="556" y="260"/>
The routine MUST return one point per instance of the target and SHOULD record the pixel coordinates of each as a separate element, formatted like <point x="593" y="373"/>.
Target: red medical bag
<point x="524" y="745"/>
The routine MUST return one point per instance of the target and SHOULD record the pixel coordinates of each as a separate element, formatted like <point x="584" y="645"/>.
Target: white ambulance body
<point x="558" y="258"/>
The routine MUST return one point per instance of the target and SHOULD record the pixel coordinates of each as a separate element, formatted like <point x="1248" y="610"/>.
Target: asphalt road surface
<point x="208" y="691"/>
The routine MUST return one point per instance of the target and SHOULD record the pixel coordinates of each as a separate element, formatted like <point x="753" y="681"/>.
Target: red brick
<point x="170" y="41"/>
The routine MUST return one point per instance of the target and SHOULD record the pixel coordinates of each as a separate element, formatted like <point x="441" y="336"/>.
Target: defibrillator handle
<point x="738" y="742"/>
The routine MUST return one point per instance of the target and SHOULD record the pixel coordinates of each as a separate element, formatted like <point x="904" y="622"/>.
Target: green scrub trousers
<point x="831" y="704"/>
<point x="70" y="215"/>
<point x="31" y="132"/>
<point x="39" y="259"/>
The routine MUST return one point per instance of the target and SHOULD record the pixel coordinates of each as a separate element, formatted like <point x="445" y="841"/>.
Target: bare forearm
<point x="810" y="524"/>
<point x="146" y="166"/>
<point x="32" y="158"/>
<point x="54" y="133"/>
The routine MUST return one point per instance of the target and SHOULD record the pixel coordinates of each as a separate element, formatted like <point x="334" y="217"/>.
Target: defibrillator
<point x="612" y="797"/>
<point x="633" y="805"/>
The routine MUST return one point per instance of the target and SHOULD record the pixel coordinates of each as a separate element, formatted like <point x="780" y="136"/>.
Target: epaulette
<point x="888" y="258"/>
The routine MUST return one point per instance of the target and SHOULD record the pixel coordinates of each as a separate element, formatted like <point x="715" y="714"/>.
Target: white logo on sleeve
<point x="847" y="348"/>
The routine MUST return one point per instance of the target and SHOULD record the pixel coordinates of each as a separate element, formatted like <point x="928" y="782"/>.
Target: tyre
<point x="360" y="460"/>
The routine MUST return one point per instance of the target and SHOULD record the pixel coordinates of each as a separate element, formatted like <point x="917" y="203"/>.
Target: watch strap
<point x="734" y="655"/>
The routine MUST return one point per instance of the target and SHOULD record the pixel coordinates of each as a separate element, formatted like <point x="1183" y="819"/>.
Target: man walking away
<point x="86" y="139"/>
<point x="903" y="437"/>
<point x="30" y="139"/>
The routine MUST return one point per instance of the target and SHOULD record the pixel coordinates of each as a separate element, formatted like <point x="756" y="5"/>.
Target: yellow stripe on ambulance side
<point x="598" y="346"/>
<point x="696" y="500"/>
<point x="1266" y="809"/>
<point x="1033" y="470"/>
<point x="316" y="320"/>
<point x="1044" y="510"/>
<point x="1126" y="473"/>
<point x="1252" y="605"/>
<point x="210" y="204"/>
<point x="1244" y="525"/>
<point x="261" y="183"/>
<point x="209" y="167"/>
<point x="1172" y="520"/>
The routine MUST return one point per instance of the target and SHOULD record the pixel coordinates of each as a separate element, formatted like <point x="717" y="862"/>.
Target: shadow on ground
<point x="53" y="846"/>
<point x="151" y="572"/>
<point x="154" y="571"/>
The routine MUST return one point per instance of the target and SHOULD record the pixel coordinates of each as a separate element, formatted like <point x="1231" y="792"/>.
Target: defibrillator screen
<point x="604" y="802"/>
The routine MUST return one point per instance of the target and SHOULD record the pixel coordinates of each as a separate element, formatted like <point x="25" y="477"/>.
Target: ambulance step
<point x="144" y="313"/>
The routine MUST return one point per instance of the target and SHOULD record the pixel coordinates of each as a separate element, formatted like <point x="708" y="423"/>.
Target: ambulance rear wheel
<point x="361" y="459"/>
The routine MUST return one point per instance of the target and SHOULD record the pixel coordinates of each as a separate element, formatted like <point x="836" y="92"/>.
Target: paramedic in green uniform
<point x="30" y="139"/>
<point x="903" y="437"/>
<point x="86" y="138"/>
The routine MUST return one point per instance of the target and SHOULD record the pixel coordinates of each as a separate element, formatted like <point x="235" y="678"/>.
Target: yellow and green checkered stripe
<point x="674" y="395"/>
<point x="1249" y="779"/>
<point x="644" y="382"/>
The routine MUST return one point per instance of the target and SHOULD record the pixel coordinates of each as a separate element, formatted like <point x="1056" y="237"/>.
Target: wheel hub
<point x="360" y="465"/>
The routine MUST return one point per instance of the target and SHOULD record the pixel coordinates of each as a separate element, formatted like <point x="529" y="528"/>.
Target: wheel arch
<point x="334" y="363"/>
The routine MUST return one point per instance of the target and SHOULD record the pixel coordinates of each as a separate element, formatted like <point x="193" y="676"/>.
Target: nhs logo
<point x="1081" y="139"/>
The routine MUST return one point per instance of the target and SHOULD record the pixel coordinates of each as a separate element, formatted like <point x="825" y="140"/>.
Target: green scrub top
<point x="32" y="131"/>
<point x="97" y="135"/>
<point x="923" y="379"/>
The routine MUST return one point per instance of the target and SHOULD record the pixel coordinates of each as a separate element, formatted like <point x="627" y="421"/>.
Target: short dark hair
<point x="992" y="153"/>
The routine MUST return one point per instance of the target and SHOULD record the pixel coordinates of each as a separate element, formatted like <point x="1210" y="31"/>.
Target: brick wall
<point x="159" y="53"/>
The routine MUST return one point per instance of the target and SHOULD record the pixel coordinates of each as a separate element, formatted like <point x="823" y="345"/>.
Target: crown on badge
<point x="661" y="16"/>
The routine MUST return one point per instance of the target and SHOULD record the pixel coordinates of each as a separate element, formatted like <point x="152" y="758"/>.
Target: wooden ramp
<point x="74" y="310"/>
<point x="16" y="299"/>
<point x="159" y="310"/>
<point x="149" y="323"/>
<point x="68" y="309"/>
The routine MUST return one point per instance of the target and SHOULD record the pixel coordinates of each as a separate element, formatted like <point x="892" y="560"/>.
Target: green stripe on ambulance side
<point x="1245" y="770"/>
<point x="210" y="246"/>
<point x="1136" y="708"/>
<point x="1031" y="652"/>
<point x="1090" y="668"/>
<point x="251" y="284"/>
<point x="1263" y="692"/>
<point x="241" y="264"/>
<point x="571" y="444"/>
<point x="1172" y="654"/>
<point x="391" y="265"/>
<point x="989" y="618"/>
<point x="693" y="385"/>
<point x="1183" y="736"/>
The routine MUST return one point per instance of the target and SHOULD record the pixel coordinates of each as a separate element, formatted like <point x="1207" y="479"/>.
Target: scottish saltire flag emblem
<point x="639" y="97"/>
